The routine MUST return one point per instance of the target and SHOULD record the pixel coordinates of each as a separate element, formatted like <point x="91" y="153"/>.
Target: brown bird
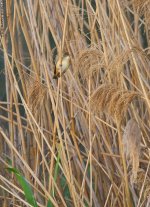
<point x="62" y="65"/>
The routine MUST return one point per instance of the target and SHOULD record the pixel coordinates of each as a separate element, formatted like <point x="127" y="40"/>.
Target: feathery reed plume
<point x="112" y="100"/>
<point x="139" y="183"/>
<point x="141" y="5"/>
<point x="36" y="94"/>
<point x="89" y="62"/>
<point x="131" y="142"/>
<point x="116" y="65"/>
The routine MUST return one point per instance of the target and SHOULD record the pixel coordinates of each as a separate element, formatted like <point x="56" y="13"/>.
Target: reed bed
<point x="82" y="140"/>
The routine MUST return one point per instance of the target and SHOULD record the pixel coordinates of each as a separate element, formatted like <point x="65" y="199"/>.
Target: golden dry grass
<point x="85" y="118"/>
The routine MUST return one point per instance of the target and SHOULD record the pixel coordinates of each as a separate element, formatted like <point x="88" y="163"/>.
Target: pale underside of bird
<point x="62" y="65"/>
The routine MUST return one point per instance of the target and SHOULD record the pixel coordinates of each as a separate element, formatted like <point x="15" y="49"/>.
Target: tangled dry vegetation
<point x="84" y="139"/>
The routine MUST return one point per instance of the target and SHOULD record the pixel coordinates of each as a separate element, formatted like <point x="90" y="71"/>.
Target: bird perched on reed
<point x="62" y="65"/>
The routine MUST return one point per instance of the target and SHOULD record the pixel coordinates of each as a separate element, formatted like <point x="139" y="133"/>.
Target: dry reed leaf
<point x="112" y="100"/>
<point x="131" y="142"/>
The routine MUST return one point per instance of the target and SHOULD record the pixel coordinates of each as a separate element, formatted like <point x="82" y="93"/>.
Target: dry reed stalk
<point x="132" y="54"/>
<point x="23" y="161"/>
<point x="66" y="156"/>
<point x="127" y="199"/>
<point x="111" y="100"/>
<point x="73" y="134"/>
